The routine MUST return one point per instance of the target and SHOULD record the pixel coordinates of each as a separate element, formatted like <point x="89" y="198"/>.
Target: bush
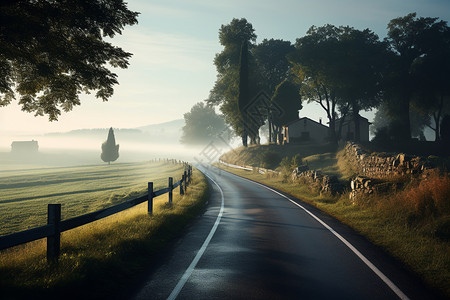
<point x="286" y="168"/>
<point x="296" y="161"/>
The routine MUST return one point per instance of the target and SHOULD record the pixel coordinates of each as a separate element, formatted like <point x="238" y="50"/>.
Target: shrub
<point x="296" y="161"/>
<point x="285" y="167"/>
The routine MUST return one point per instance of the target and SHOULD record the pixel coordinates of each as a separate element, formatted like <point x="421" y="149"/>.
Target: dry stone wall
<point x="385" y="165"/>
<point x="374" y="169"/>
<point x="316" y="179"/>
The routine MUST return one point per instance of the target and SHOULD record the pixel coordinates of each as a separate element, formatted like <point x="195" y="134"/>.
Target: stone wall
<point x="316" y="179"/>
<point x="374" y="169"/>
<point x="385" y="165"/>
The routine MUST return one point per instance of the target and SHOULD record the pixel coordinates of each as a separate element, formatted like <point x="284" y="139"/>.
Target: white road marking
<point x="200" y="252"/>
<point x="380" y="274"/>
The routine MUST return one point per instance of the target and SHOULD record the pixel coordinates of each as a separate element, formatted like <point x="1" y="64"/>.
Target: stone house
<point x="348" y="128"/>
<point x="24" y="147"/>
<point x="304" y="129"/>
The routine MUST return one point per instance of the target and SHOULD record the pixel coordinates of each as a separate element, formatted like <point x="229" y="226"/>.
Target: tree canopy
<point x="225" y="92"/>
<point x="51" y="51"/>
<point x="344" y="70"/>
<point x="339" y="68"/>
<point x="419" y="67"/>
<point x="202" y="125"/>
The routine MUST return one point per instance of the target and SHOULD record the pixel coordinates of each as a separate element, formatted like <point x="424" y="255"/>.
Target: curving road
<point x="255" y="243"/>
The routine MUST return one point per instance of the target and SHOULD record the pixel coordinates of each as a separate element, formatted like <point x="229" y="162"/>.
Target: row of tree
<point x="343" y="69"/>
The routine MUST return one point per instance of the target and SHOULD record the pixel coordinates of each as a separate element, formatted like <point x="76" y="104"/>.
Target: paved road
<point x="255" y="243"/>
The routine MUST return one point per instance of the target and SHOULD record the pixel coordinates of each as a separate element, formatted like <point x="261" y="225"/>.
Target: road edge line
<point x="173" y="295"/>
<point x="365" y="260"/>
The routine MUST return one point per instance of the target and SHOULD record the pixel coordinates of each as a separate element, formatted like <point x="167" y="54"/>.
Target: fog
<point x="74" y="150"/>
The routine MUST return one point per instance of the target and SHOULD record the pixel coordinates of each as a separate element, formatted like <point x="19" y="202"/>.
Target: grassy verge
<point x="405" y="228"/>
<point x="104" y="258"/>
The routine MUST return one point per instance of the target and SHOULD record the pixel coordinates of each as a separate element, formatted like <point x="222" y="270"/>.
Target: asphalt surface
<point x="254" y="243"/>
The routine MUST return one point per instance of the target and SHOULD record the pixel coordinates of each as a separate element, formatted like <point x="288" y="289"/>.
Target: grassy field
<point x="106" y="259"/>
<point x="26" y="193"/>
<point x="413" y="224"/>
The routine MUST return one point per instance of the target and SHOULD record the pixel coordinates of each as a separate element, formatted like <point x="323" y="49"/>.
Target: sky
<point x="173" y="49"/>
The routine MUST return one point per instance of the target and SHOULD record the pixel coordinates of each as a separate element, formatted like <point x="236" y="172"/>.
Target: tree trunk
<point x="270" y="131"/>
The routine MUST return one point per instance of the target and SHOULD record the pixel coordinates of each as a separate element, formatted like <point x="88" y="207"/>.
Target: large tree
<point x="202" y="125"/>
<point x="432" y="72"/>
<point x="51" y="51"/>
<point x="273" y="68"/>
<point x="288" y="101"/>
<point x="225" y="92"/>
<point x="361" y="63"/>
<point x="110" y="151"/>
<point x="340" y="68"/>
<point x="317" y="67"/>
<point x="414" y="45"/>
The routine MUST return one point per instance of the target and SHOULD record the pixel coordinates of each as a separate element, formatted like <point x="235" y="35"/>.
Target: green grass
<point x="405" y="223"/>
<point x="255" y="155"/>
<point x="80" y="190"/>
<point x="105" y="259"/>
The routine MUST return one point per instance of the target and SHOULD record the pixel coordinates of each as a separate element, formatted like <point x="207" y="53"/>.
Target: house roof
<point x="304" y="118"/>
<point x="350" y="119"/>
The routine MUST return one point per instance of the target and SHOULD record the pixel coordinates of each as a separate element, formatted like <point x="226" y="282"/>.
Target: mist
<point x="83" y="147"/>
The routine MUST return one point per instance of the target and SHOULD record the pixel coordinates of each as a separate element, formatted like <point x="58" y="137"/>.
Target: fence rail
<point x="52" y="231"/>
<point x="250" y="168"/>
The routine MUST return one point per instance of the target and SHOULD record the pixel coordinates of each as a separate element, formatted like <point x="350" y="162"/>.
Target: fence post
<point x="170" y="189"/>
<point x="150" y="198"/>
<point x="53" y="241"/>
<point x="181" y="185"/>
<point x="185" y="180"/>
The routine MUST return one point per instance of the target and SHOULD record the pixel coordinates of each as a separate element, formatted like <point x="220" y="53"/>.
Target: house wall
<point x="348" y="130"/>
<point x="24" y="147"/>
<point x="305" y="129"/>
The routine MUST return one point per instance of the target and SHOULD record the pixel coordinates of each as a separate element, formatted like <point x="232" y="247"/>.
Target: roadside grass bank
<point x="103" y="259"/>
<point x="412" y="224"/>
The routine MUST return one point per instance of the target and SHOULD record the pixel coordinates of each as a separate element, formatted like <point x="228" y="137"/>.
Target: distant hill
<point x="174" y="127"/>
<point x="167" y="133"/>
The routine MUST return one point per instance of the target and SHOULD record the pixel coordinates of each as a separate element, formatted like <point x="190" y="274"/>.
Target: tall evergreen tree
<point x="243" y="97"/>
<point x="110" y="151"/>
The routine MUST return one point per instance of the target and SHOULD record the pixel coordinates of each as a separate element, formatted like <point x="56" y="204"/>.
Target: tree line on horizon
<point x="405" y="77"/>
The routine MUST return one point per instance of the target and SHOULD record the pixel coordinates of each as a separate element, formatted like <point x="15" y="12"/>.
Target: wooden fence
<point x="52" y="231"/>
<point x="250" y="168"/>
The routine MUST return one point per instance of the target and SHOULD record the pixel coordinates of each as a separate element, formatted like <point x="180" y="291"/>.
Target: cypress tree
<point x="110" y="151"/>
<point x="243" y="97"/>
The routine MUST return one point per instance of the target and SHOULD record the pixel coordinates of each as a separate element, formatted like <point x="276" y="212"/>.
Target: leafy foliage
<point x="225" y="92"/>
<point x="339" y="67"/>
<point x="419" y="67"/>
<point x="287" y="98"/>
<point x="50" y="52"/>
<point x="202" y="125"/>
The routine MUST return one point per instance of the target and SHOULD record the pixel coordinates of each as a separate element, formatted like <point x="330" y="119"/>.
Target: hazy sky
<point x="174" y="45"/>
